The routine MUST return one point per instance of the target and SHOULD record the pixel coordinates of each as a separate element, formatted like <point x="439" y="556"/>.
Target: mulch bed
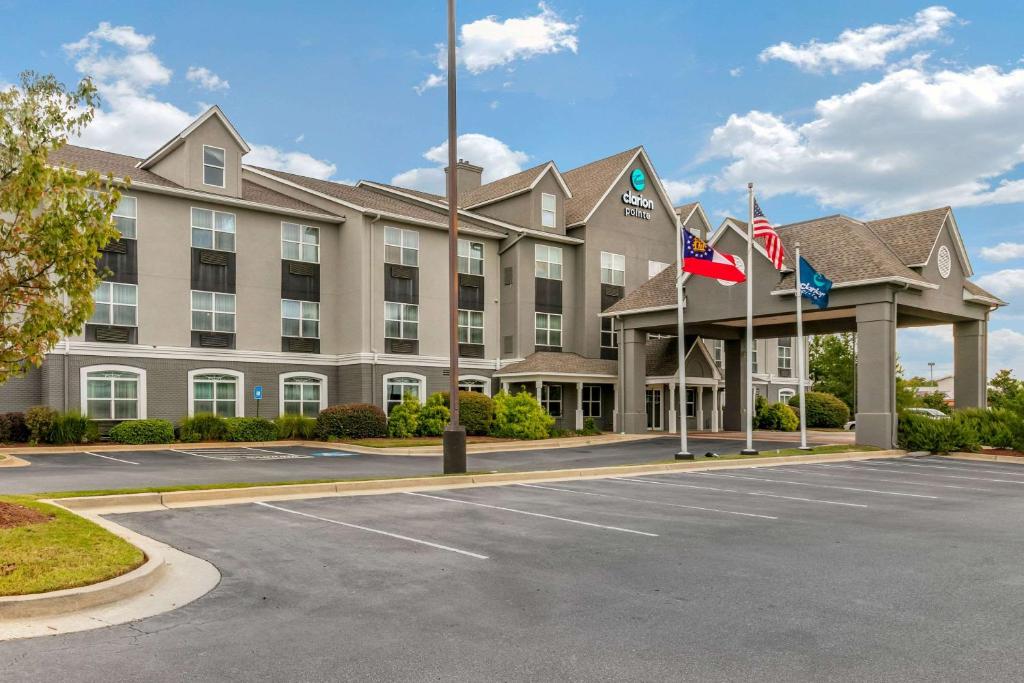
<point x="12" y="515"/>
<point x="1003" y="451"/>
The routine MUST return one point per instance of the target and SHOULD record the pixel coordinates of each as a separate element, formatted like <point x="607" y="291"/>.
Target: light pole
<point x="931" y="371"/>
<point x="454" y="433"/>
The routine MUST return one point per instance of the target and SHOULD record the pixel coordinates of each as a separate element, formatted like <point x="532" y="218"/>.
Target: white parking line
<point x="968" y="468"/>
<point x="531" y="514"/>
<point x="745" y="493"/>
<point x="956" y="476"/>
<point x="649" y="502"/>
<point x="267" y="450"/>
<point x="824" y="486"/>
<point x="107" y="457"/>
<point x="377" y="531"/>
<point x="865" y="470"/>
<point x="1009" y="469"/>
<point x="198" y="455"/>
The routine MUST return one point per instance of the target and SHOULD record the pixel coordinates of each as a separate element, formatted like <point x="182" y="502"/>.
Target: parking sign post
<point x="257" y="393"/>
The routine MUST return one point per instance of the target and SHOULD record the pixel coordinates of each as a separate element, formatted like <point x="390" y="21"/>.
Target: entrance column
<point x="876" y="374"/>
<point x="732" y="420"/>
<point x="970" y="364"/>
<point x="579" y="405"/>
<point x="715" y="411"/>
<point x="673" y="416"/>
<point x="504" y="386"/>
<point x="634" y="370"/>
<point x="700" y="407"/>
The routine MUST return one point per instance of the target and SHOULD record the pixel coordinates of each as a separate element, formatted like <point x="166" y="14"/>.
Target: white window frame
<point x="213" y="229"/>
<point x="543" y="265"/>
<point x="402" y="322"/>
<point x="214" y="311"/>
<point x="548" y="330"/>
<point x="785" y="395"/>
<point x="613" y="265"/>
<point x="134" y="217"/>
<point x="476" y="378"/>
<point x="546" y="212"/>
<point x="420" y="379"/>
<point x="613" y="334"/>
<point x="302" y="317"/>
<point x="691" y="404"/>
<point x="470" y="326"/>
<point x="402" y="246"/>
<point x="301" y="243"/>
<point x="718" y="352"/>
<point x="110" y="318"/>
<point x="753" y="358"/>
<point x="546" y="400"/>
<point x="83" y="382"/>
<point x="466" y="254"/>
<point x="239" y="382"/>
<point x="655" y="267"/>
<point x="223" y="169"/>
<point x="788" y="356"/>
<point x="588" y="401"/>
<point x="283" y="379"/>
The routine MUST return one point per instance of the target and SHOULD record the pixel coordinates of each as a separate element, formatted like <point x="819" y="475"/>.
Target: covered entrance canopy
<point x="905" y="271"/>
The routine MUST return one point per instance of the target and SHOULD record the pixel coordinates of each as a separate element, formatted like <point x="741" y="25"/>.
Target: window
<point x="753" y="357"/>
<point x="401" y="321"/>
<point x="213" y="312"/>
<point x="126" y="216"/>
<point x="397" y="386"/>
<point x="300" y="319"/>
<point x="691" y="403"/>
<point x="548" y="262"/>
<point x="613" y="269"/>
<point x="478" y="385"/>
<point x="115" y="304"/>
<point x="302" y="395"/>
<point x="655" y="267"/>
<point x="112" y="394"/>
<point x="551" y="399"/>
<point x="785" y="357"/>
<point x="718" y="352"/>
<point x="549" y="329"/>
<point x="300" y="243"/>
<point x="213" y="166"/>
<point x="609" y="337"/>
<point x="471" y="327"/>
<point x="548" y="205"/>
<point x="213" y="230"/>
<point x="591" y="400"/>
<point x="471" y="257"/>
<point x="216" y="393"/>
<point x="401" y="247"/>
<point x="785" y="395"/>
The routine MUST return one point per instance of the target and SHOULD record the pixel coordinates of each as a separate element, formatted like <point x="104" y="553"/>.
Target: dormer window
<point x="213" y="166"/>
<point x="548" y="204"/>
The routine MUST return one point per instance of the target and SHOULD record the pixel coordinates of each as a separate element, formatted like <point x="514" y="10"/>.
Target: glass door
<point x="654" y="411"/>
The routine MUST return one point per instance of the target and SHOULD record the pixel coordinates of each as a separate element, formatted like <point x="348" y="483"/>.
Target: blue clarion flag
<point x="813" y="285"/>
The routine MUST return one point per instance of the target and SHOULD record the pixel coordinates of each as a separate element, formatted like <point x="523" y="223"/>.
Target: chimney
<point x="468" y="175"/>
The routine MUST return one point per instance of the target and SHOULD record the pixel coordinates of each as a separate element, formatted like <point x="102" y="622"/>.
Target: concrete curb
<point x="13" y="461"/>
<point x="139" y="502"/>
<point x="987" y="457"/>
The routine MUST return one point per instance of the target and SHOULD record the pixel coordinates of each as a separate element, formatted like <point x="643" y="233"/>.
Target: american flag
<point x="764" y="230"/>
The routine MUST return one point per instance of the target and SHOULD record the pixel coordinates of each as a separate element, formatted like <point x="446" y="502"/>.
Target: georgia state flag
<point x="700" y="259"/>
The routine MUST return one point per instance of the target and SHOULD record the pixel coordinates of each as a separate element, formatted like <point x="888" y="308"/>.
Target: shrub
<point x="476" y="412"/>
<point x="434" y="416"/>
<point x="780" y="417"/>
<point x="760" y="406"/>
<point x="202" y="427"/>
<point x="143" y="431"/>
<point x="39" y="420"/>
<point x="921" y="433"/>
<point x="295" y="427"/>
<point x="404" y="418"/>
<point x="249" y="429"/>
<point x="823" y="410"/>
<point x="72" y="428"/>
<point x="996" y="427"/>
<point x="352" y="421"/>
<point x="520" y="416"/>
<point x="13" y="428"/>
<point x="590" y="427"/>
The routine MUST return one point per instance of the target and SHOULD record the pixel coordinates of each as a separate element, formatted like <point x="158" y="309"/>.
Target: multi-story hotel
<point x="227" y="277"/>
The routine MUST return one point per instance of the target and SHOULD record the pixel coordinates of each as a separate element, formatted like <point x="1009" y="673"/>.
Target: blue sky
<point x="867" y="109"/>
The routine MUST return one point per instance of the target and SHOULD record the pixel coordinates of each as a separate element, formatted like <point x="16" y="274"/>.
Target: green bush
<point x="760" y="406"/>
<point x="780" y="417"/>
<point x="921" y="433"/>
<point x="520" y="416"/>
<point x="434" y="416"/>
<point x="142" y="431"/>
<point x="295" y="427"/>
<point x="352" y="421"/>
<point x="39" y="420"/>
<point x="249" y="429"/>
<point x="823" y="410"/>
<point x="476" y="412"/>
<point x="202" y="427"/>
<point x="72" y="428"/>
<point x="403" y="421"/>
<point x="590" y="427"/>
<point x="13" y="428"/>
<point x="996" y="427"/>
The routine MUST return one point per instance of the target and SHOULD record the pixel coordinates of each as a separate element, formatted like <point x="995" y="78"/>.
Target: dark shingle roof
<point x="428" y="196"/>
<point x="517" y="182"/>
<point x="543" y="362"/>
<point x="911" y="236"/>
<point x="662" y="357"/>
<point x="590" y="182"/>
<point x="659" y="291"/>
<point x="684" y="210"/>
<point x="976" y="290"/>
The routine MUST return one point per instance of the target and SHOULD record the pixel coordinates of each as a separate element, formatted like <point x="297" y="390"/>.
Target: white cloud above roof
<point x="497" y="159"/>
<point x="1004" y="251"/>
<point x="1008" y="282"/>
<point x="206" y="79"/>
<point x="291" y="162"/>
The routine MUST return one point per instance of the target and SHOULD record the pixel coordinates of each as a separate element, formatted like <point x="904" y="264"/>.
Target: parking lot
<point x="880" y="570"/>
<point x="181" y="465"/>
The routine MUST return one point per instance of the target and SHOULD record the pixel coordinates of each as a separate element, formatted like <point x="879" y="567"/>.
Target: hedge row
<point x="965" y="430"/>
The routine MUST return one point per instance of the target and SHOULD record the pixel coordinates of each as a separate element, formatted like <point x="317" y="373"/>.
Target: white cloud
<point x="737" y="72"/>
<point x="863" y="48"/>
<point x="1004" y="283"/>
<point x="1004" y="251"/>
<point x="1005" y="350"/>
<point x="678" y="190"/>
<point x="913" y="140"/>
<point x="292" y="162"/>
<point x="919" y="345"/>
<point x="497" y="158"/>
<point x="300" y="138"/>
<point x="489" y="43"/>
<point x="206" y="79"/>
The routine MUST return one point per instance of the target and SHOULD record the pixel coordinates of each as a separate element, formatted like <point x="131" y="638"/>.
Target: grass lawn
<point x="64" y="551"/>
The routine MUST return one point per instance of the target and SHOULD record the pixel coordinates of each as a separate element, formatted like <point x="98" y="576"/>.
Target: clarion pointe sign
<point x="637" y="205"/>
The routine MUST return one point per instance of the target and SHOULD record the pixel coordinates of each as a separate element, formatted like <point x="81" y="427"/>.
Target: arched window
<point x="478" y="384"/>
<point x="397" y="385"/>
<point x="303" y="393"/>
<point x="216" y="391"/>
<point x="785" y="395"/>
<point x="113" y="392"/>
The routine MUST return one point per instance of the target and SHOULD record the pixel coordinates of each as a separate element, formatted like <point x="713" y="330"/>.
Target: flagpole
<point x="800" y="353"/>
<point x="684" y="450"/>
<point x="749" y="450"/>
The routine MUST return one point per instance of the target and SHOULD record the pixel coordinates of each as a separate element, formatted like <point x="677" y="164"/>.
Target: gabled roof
<point x="590" y="183"/>
<point x="657" y="293"/>
<point x="663" y="356"/>
<point x="419" y="194"/>
<point x="560" y="363"/>
<point x="177" y="140"/>
<point x="973" y="292"/>
<point x="509" y="186"/>
<point x="911" y="236"/>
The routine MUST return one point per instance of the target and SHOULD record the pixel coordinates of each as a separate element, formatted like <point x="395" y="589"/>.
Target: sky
<point x="868" y="109"/>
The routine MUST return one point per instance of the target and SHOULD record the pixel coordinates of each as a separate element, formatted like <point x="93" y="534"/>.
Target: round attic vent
<point x="945" y="261"/>
<point x="739" y="264"/>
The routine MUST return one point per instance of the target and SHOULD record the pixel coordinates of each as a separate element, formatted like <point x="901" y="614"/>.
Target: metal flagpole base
<point x="750" y="451"/>
<point x="806" y="448"/>
<point x="683" y="455"/>
<point x="454" y="449"/>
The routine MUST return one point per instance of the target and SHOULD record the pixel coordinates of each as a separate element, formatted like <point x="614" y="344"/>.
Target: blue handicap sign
<point x="257" y="392"/>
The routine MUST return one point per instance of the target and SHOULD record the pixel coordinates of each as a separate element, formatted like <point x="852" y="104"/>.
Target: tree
<point x="1005" y="391"/>
<point x="52" y="221"/>
<point x="831" y="365"/>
